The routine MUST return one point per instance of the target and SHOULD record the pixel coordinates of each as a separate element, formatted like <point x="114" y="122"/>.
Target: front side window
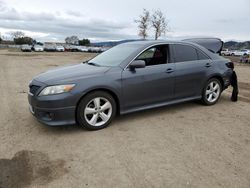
<point x="155" y="56"/>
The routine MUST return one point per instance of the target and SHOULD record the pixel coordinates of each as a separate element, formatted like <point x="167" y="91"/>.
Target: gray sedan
<point x="127" y="78"/>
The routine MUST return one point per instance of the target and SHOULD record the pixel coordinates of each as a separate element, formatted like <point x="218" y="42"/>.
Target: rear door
<point x="191" y="66"/>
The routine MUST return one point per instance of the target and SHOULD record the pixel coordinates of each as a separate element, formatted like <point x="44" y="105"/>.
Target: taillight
<point x="230" y="65"/>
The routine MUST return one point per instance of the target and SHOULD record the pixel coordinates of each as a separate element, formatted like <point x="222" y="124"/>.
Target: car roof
<point x="147" y="43"/>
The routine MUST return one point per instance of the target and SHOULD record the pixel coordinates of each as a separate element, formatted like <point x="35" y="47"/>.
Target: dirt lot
<point x="185" y="145"/>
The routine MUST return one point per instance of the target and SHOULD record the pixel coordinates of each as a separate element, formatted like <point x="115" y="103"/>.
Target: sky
<point x="54" y="20"/>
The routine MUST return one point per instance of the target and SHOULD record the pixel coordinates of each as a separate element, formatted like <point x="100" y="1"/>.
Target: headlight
<point x="52" y="90"/>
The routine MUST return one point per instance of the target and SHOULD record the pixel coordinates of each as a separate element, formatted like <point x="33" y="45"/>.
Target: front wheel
<point x="96" y="110"/>
<point x="211" y="92"/>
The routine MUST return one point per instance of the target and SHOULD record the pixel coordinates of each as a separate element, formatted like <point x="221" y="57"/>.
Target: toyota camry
<point x="130" y="77"/>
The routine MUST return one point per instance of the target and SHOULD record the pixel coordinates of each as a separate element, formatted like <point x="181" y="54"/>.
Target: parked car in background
<point x="95" y="49"/>
<point x="49" y="48"/>
<point x="60" y="49"/>
<point x="127" y="78"/>
<point x="67" y="48"/>
<point x="240" y="52"/>
<point x="226" y="52"/>
<point x="38" y="48"/>
<point x="71" y="48"/>
<point x="26" y="48"/>
<point x="82" y="48"/>
<point x="103" y="49"/>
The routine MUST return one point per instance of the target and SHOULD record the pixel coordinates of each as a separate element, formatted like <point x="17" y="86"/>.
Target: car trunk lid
<point x="214" y="45"/>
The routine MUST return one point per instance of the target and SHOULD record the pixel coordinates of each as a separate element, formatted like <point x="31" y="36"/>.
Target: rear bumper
<point x="227" y="79"/>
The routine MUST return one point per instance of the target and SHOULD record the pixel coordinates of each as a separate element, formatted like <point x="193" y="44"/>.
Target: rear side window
<point x="184" y="53"/>
<point x="201" y="55"/>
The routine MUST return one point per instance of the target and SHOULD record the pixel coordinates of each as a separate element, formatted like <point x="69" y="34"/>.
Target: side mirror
<point x="137" y="64"/>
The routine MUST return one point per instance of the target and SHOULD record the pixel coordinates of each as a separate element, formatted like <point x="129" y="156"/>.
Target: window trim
<point x="170" y="51"/>
<point x="147" y="48"/>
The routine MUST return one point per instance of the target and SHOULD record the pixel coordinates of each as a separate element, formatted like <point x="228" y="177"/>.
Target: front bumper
<point x="54" y="116"/>
<point x="54" y="110"/>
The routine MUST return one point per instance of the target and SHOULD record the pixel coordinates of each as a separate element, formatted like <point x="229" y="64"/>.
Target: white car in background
<point x="38" y="48"/>
<point x="60" y="49"/>
<point x="26" y="48"/>
<point x="82" y="49"/>
<point x="95" y="49"/>
<point x="241" y="52"/>
<point x="103" y="49"/>
<point x="226" y="52"/>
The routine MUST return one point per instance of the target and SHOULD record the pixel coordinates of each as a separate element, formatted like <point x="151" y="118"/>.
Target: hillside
<point x="237" y="45"/>
<point x="113" y="43"/>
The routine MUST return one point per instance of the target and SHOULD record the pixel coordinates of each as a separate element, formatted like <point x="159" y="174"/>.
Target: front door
<point x="152" y="84"/>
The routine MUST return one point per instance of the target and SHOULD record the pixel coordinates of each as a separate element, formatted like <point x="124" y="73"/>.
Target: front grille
<point x="33" y="89"/>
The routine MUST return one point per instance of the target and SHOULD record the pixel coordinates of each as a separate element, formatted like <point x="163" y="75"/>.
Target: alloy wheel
<point x="98" y="111"/>
<point x="212" y="91"/>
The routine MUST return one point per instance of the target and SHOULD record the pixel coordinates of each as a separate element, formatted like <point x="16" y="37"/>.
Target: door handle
<point x="208" y="65"/>
<point x="169" y="71"/>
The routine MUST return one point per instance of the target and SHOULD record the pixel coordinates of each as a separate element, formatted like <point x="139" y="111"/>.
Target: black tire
<point x="204" y="99"/>
<point x="80" y="114"/>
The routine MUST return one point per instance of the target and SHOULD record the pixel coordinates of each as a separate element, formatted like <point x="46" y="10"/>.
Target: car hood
<point x="70" y="73"/>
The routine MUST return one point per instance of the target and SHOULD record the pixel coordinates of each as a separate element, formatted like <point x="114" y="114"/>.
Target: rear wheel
<point x="211" y="92"/>
<point x="96" y="110"/>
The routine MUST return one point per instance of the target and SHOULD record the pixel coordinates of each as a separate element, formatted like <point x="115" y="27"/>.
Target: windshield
<point x="114" y="56"/>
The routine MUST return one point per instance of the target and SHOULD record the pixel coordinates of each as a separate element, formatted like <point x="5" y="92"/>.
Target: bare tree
<point x="72" y="40"/>
<point x="159" y="24"/>
<point x="143" y="23"/>
<point x="17" y="34"/>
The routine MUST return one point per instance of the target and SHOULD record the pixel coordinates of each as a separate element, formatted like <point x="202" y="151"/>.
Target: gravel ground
<point x="185" y="145"/>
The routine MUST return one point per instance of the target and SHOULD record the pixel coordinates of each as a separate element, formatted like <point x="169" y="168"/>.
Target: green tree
<point x="1" y="40"/>
<point x="84" y="42"/>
